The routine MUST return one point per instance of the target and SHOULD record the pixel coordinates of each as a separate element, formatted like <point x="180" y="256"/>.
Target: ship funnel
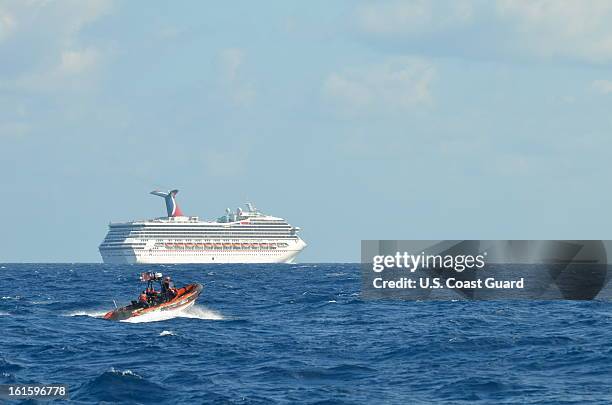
<point x="171" y="205"/>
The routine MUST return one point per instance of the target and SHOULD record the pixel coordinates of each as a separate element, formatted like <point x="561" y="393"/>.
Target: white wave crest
<point x="124" y="372"/>
<point x="48" y="302"/>
<point x="199" y="312"/>
<point x="166" y="333"/>
<point x="92" y="314"/>
<point x="2" y="313"/>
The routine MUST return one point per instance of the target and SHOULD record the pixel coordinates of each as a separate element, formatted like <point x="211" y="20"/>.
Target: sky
<point x="466" y="119"/>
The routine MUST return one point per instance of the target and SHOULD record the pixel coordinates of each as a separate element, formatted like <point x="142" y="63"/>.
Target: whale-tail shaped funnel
<point x="171" y="205"/>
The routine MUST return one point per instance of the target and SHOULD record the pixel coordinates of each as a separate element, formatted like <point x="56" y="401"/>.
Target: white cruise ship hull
<point x="158" y="256"/>
<point x="243" y="237"/>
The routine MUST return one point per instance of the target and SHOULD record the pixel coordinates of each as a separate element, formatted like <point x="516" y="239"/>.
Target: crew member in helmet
<point x="168" y="289"/>
<point x="153" y="296"/>
<point x="143" y="299"/>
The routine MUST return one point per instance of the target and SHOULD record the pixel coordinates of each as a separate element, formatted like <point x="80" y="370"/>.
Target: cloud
<point x="413" y="18"/>
<point x="232" y="61"/>
<point x="14" y="129"/>
<point x="7" y="25"/>
<point x="45" y="58"/>
<point x="169" y="33"/>
<point x="54" y="21"/>
<point x="514" y="165"/>
<point x="41" y="42"/>
<point x="572" y="28"/>
<point x="602" y="86"/>
<point x="398" y="84"/>
<point x="576" y="30"/>
<point x="225" y="163"/>
<point x="73" y="71"/>
<point x="75" y="62"/>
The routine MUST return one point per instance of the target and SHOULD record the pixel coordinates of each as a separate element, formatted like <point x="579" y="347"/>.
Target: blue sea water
<point x="295" y="334"/>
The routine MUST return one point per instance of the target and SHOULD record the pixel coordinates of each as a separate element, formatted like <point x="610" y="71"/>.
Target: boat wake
<point x="194" y="312"/>
<point x="92" y="314"/>
<point x="198" y="312"/>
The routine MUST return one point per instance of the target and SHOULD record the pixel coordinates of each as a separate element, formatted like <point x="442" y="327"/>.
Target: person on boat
<point x="143" y="300"/>
<point x="168" y="290"/>
<point x="155" y="297"/>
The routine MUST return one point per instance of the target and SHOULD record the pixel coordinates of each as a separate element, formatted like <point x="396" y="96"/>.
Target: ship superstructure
<point x="243" y="236"/>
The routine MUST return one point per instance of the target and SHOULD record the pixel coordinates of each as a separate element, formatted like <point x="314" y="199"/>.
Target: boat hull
<point x="203" y="255"/>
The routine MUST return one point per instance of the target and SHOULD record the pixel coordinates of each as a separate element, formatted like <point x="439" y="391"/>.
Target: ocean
<point x="264" y="334"/>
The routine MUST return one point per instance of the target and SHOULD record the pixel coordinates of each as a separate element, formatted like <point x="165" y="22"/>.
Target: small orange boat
<point x="161" y="301"/>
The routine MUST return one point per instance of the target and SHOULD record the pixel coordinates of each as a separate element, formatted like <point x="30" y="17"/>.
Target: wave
<point x="198" y="312"/>
<point x="340" y="372"/>
<point x="8" y="371"/>
<point x="167" y="333"/>
<point x="90" y="313"/>
<point x="194" y="312"/>
<point x="8" y="367"/>
<point x="46" y="302"/>
<point x="120" y="386"/>
<point x="2" y="313"/>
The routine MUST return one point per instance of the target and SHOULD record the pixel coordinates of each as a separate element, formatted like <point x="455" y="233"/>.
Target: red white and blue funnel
<point x="171" y="205"/>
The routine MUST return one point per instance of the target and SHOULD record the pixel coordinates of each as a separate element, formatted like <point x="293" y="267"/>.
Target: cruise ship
<point x="243" y="236"/>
